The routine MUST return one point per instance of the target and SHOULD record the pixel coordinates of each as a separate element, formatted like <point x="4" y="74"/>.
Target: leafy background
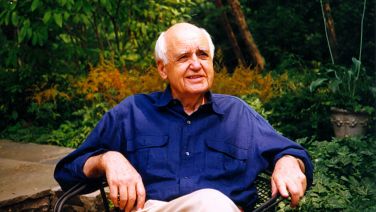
<point x="63" y="63"/>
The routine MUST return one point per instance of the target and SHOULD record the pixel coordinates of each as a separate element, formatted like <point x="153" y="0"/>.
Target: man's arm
<point x="126" y="188"/>
<point x="288" y="179"/>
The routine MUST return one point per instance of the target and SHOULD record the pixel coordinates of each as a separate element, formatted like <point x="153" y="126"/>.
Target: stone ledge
<point x="45" y="201"/>
<point x="40" y="201"/>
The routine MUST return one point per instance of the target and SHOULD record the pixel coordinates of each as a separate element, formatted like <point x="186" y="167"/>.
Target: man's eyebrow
<point x="181" y="53"/>
<point x="187" y="52"/>
<point x="203" y="49"/>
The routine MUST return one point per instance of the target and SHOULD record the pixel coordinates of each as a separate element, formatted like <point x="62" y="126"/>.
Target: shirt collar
<point x="166" y="98"/>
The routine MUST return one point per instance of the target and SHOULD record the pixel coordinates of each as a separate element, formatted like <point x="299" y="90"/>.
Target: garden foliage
<point x="64" y="63"/>
<point x="73" y="105"/>
<point x="344" y="177"/>
<point x="44" y="41"/>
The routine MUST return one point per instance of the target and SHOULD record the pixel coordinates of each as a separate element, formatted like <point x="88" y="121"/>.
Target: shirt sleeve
<point x="272" y="146"/>
<point x="104" y="137"/>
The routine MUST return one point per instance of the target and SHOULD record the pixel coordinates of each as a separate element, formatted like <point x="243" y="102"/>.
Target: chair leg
<point x="104" y="199"/>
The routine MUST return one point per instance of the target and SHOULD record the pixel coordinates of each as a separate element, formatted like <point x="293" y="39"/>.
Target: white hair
<point x="160" y="50"/>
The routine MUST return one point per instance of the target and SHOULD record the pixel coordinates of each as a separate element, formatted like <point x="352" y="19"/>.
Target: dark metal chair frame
<point x="265" y="203"/>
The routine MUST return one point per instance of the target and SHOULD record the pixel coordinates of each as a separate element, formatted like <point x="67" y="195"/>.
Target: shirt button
<point x="187" y="153"/>
<point x="189" y="122"/>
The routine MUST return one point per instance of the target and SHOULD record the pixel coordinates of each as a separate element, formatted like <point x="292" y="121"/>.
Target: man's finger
<point x="123" y="197"/>
<point x="296" y="191"/>
<point x="282" y="187"/>
<point x="141" y="195"/>
<point x="131" y="198"/>
<point x="274" y="188"/>
<point x="295" y="198"/>
<point x="114" y="195"/>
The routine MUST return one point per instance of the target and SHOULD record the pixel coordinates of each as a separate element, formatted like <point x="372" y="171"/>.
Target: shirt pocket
<point x="224" y="159"/>
<point x="148" y="153"/>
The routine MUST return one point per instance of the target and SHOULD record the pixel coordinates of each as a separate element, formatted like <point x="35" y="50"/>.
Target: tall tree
<point x="230" y="34"/>
<point x="251" y="47"/>
<point x="331" y="32"/>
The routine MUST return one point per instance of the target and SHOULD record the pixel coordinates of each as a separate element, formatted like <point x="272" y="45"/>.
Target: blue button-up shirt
<point x="224" y="145"/>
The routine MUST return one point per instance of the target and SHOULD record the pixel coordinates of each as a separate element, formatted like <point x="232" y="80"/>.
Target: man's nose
<point x="195" y="63"/>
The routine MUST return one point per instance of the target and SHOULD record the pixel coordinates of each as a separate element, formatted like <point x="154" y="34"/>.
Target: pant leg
<point x="204" y="200"/>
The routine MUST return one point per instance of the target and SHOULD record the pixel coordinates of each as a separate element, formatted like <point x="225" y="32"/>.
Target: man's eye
<point x="182" y="58"/>
<point x="203" y="55"/>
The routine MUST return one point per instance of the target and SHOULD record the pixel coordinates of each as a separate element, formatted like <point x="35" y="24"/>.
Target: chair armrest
<point x="79" y="189"/>
<point x="69" y="194"/>
<point x="269" y="204"/>
<point x="265" y="202"/>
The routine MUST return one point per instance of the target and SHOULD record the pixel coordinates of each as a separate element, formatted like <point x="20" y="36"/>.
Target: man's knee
<point x="209" y="193"/>
<point x="213" y="200"/>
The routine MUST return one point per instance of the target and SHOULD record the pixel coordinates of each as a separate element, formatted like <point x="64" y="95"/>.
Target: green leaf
<point x="58" y="19"/>
<point x="22" y="34"/>
<point x="4" y="16"/>
<point x="316" y="84"/>
<point x="14" y="18"/>
<point x="66" y="15"/>
<point x="35" y="5"/>
<point x="63" y="2"/>
<point x="29" y="33"/>
<point x="103" y="2"/>
<point x="47" y="17"/>
<point x="356" y="61"/>
<point x="34" y="39"/>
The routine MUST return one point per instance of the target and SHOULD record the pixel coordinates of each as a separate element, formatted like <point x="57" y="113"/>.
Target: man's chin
<point x="198" y="90"/>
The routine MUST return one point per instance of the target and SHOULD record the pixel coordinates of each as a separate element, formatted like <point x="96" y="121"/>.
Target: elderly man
<point x="186" y="149"/>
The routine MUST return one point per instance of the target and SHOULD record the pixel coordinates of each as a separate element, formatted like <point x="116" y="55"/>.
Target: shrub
<point x="61" y="102"/>
<point x="256" y="104"/>
<point x="298" y="113"/>
<point x="113" y="86"/>
<point x="344" y="177"/>
<point x="73" y="132"/>
<point x="88" y="98"/>
<point x="245" y="81"/>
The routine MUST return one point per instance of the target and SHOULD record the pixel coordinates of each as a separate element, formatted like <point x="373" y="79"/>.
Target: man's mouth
<point x="194" y="77"/>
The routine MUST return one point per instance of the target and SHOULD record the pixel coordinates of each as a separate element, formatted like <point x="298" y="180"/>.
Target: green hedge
<point x="344" y="176"/>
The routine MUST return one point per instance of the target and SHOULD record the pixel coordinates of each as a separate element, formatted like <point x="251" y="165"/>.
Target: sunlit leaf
<point x="14" y="18"/>
<point x="316" y="84"/>
<point x="47" y="17"/>
<point x="58" y="19"/>
<point x="35" y="5"/>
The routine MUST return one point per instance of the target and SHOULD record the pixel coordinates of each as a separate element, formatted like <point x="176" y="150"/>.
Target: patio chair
<point x="265" y="202"/>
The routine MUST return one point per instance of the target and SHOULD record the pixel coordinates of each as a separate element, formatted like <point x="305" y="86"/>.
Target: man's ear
<point x="162" y="69"/>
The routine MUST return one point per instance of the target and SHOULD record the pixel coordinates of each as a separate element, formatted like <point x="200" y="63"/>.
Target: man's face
<point x="190" y="66"/>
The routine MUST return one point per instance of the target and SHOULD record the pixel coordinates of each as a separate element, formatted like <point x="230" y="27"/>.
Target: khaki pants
<point x="204" y="200"/>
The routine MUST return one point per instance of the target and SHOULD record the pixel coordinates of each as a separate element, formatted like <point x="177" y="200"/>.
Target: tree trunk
<point x="231" y="35"/>
<point x="331" y="30"/>
<point x="251" y="47"/>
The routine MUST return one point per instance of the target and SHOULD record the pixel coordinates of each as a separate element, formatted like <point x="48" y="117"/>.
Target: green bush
<point x="73" y="132"/>
<point x="344" y="176"/>
<point x="256" y="104"/>
<point x="298" y="113"/>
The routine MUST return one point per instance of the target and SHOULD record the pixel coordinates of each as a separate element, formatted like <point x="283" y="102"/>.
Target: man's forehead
<point x="183" y="43"/>
<point x="189" y="49"/>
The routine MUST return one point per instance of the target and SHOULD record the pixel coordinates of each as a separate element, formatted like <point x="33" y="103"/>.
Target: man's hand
<point x="289" y="179"/>
<point x="126" y="188"/>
